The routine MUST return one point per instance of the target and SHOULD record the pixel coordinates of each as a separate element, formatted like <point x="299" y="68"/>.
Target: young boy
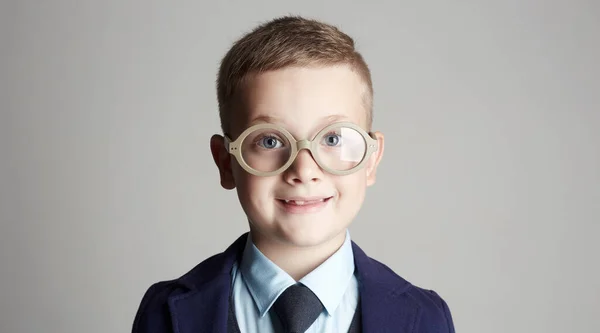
<point x="295" y="103"/>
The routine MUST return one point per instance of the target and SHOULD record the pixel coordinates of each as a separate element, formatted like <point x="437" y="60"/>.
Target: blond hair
<point x="285" y="42"/>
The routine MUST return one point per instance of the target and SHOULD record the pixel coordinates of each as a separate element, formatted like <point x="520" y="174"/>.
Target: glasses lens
<point x="266" y="150"/>
<point x="341" y="148"/>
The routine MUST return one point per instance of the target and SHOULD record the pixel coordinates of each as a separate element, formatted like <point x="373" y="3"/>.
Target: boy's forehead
<point x="309" y="121"/>
<point x="300" y="97"/>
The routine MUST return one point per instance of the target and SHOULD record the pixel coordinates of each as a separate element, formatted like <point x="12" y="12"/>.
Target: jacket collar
<point x="383" y="299"/>
<point x="204" y="307"/>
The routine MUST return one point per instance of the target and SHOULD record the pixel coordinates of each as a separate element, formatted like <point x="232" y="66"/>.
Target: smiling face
<point x="304" y="205"/>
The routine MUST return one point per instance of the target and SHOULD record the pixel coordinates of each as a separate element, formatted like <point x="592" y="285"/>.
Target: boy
<point x="295" y="105"/>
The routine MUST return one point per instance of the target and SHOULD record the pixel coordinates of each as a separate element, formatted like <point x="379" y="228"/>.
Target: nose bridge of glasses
<point x="303" y="144"/>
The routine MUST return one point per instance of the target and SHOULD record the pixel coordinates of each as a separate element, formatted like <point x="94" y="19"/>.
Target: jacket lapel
<point x="384" y="304"/>
<point x="205" y="307"/>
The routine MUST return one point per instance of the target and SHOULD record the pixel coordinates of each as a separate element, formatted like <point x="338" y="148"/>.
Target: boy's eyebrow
<point x="263" y="119"/>
<point x="334" y="117"/>
<point x="273" y="120"/>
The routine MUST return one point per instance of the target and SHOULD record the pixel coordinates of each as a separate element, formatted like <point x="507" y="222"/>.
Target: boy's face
<point x="320" y="205"/>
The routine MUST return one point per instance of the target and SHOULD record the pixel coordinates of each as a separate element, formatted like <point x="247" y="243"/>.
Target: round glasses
<point x="268" y="150"/>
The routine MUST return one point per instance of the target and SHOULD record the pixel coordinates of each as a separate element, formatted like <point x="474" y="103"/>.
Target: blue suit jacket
<point x="198" y="301"/>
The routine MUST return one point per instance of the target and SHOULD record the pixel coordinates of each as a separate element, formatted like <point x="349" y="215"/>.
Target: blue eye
<point x="269" y="142"/>
<point x="332" y="139"/>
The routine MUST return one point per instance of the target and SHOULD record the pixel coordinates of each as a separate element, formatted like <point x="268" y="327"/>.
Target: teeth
<point x="302" y="202"/>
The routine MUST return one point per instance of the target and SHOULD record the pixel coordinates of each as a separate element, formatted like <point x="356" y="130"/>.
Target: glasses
<point x="267" y="149"/>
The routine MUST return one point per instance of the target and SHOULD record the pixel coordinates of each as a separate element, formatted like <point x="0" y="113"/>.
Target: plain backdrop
<point x="488" y="193"/>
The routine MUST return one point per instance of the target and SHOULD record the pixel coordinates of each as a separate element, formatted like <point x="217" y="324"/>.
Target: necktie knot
<point x="297" y="308"/>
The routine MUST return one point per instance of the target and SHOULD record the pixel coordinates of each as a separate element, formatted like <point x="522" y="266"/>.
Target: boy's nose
<point x="304" y="169"/>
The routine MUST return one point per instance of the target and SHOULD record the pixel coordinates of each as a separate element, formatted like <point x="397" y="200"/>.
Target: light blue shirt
<point x="258" y="282"/>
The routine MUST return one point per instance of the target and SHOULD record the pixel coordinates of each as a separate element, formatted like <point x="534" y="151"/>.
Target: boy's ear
<point x="375" y="159"/>
<point x="223" y="161"/>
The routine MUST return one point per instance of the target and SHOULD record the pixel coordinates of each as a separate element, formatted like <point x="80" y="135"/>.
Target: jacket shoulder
<point x="434" y="312"/>
<point x="153" y="314"/>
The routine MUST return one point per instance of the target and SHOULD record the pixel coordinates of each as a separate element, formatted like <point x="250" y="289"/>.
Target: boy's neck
<point x="294" y="260"/>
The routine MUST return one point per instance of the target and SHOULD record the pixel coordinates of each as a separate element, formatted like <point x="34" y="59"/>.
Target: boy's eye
<point x="269" y="142"/>
<point x="332" y="139"/>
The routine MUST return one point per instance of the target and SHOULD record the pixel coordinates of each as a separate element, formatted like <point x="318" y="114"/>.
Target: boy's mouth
<point x="303" y="205"/>
<point x="304" y="202"/>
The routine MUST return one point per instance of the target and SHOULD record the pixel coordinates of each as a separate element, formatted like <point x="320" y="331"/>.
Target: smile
<point x="303" y="205"/>
<point x="304" y="202"/>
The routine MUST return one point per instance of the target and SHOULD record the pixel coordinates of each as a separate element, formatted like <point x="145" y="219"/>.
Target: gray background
<point x="488" y="192"/>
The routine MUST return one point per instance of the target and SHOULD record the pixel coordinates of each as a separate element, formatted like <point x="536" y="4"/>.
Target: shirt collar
<point x="330" y="280"/>
<point x="266" y="281"/>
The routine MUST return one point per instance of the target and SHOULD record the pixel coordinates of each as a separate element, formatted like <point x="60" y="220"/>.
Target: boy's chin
<point x="300" y="231"/>
<point x="313" y="238"/>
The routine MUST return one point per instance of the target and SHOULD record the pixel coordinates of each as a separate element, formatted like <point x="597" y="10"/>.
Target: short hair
<point x="287" y="42"/>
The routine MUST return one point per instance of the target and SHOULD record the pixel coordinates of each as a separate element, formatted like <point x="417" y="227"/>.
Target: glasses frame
<point x="234" y="148"/>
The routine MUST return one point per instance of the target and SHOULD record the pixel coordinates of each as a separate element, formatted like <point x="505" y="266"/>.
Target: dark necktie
<point x="232" y="324"/>
<point x="297" y="308"/>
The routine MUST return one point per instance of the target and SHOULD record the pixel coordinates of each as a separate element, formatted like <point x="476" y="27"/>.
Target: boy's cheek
<point x="238" y="173"/>
<point x="249" y="185"/>
<point x="353" y="184"/>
